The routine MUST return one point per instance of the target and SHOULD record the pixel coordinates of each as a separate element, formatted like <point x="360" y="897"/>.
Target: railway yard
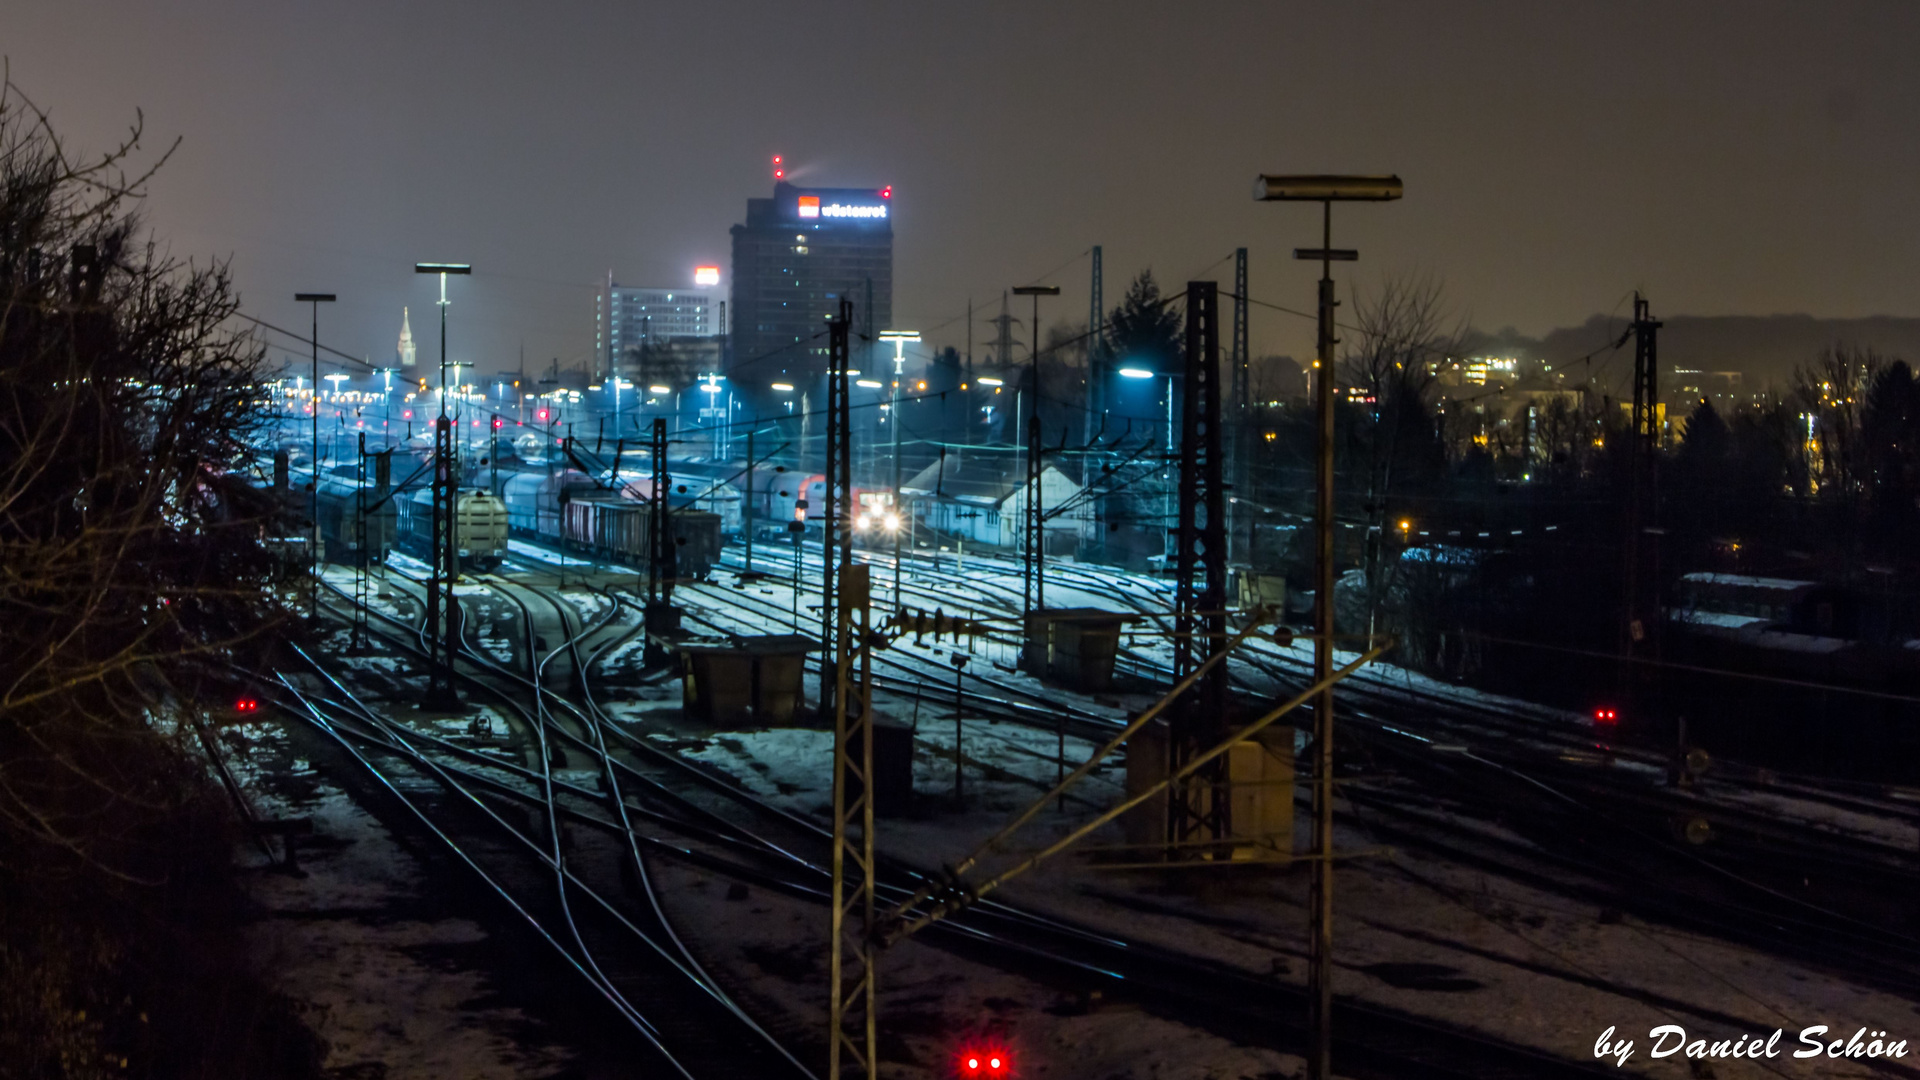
<point x="1507" y="873"/>
<point x="983" y="594"/>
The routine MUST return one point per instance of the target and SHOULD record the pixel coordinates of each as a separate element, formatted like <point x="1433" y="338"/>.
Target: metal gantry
<point x="1197" y="808"/>
<point x="837" y="483"/>
<point x="1033" y="516"/>
<point x="1240" y="403"/>
<point x="1641" y="622"/>
<point x="850" y="973"/>
<point x="441" y="573"/>
<point x="363" y="565"/>
<point x="313" y="501"/>
<point x="1096" y="358"/>
<point x="659" y="535"/>
<point x="443" y="611"/>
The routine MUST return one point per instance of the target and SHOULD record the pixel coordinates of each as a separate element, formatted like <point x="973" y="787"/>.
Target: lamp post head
<point x="899" y="338"/>
<point x="1321" y="188"/>
<point x="442" y="268"/>
<point x="1036" y="290"/>
<point x="313" y="297"/>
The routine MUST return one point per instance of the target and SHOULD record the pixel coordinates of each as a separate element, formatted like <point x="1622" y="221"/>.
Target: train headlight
<point x="893" y="522"/>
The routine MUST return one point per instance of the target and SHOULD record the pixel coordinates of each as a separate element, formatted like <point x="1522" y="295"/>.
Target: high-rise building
<point x="797" y="255"/>
<point x="404" y="352"/>
<point x="631" y="319"/>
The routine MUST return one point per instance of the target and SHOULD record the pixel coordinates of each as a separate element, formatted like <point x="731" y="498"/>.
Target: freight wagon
<point x="611" y="527"/>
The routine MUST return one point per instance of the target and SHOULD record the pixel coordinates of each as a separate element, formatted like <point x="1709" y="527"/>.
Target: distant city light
<point x="1135" y="373"/>
<point x="706" y="275"/>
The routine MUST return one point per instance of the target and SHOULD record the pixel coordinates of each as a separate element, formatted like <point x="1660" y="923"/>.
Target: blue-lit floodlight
<point x="1135" y="373"/>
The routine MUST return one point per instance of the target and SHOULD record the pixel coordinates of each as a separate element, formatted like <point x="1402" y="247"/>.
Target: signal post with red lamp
<point x="990" y="1061"/>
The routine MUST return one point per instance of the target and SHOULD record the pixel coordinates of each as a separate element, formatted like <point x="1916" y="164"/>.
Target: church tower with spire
<point x="406" y="340"/>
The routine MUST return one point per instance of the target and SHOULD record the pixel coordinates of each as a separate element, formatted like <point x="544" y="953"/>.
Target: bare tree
<point x="1277" y="378"/>
<point x="1833" y="389"/>
<point x="129" y="535"/>
<point x="1403" y="329"/>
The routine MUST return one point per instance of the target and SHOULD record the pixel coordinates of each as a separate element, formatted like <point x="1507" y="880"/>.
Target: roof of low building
<point x="985" y="480"/>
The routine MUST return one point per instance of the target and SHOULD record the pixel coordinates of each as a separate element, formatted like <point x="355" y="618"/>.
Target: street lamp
<point x="316" y="299"/>
<point x="440" y="691"/>
<point x="1166" y="498"/>
<point x="899" y="339"/>
<point x="386" y="407"/>
<point x="1325" y="190"/>
<point x="1036" y="586"/>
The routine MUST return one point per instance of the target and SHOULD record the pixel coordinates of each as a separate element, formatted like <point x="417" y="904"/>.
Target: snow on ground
<point x="774" y="949"/>
<point x="546" y="556"/>
<point x="407" y="564"/>
<point x="395" y="989"/>
<point x="1413" y="933"/>
<point x="1839" y="820"/>
<point x="590" y="605"/>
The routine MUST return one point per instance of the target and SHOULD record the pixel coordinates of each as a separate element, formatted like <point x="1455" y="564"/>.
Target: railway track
<point x="785" y="851"/>
<point x="1691" y="858"/>
<point x="513" y="826"/>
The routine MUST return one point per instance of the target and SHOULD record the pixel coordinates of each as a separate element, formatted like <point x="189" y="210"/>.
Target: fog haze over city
<point x="1733" y="158"/>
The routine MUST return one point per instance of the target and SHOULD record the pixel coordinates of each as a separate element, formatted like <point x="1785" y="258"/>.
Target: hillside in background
<point x="1765" y="348"/>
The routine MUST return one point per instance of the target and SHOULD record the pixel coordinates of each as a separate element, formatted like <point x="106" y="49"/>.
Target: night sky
<point x="1730" y="158"/>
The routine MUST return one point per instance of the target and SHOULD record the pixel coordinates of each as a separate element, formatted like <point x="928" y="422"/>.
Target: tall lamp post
<point x="899" y="339"/>
<point x="440" y="692"/>
<point x="316" y="299"/>
<point x="1035" y="590"/>
<point x="1325" y="190"/>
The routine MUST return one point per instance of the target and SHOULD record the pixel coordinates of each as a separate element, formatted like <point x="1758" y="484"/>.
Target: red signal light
<point x="408" y="415"/>
<point x="887" y="192"/>
<point x="246" y="705"/>
<point x="496" y="423"/>
<point x="991" y="1062"/>
<point x="1605" y="716"/>
<point x="543" y="414"/>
